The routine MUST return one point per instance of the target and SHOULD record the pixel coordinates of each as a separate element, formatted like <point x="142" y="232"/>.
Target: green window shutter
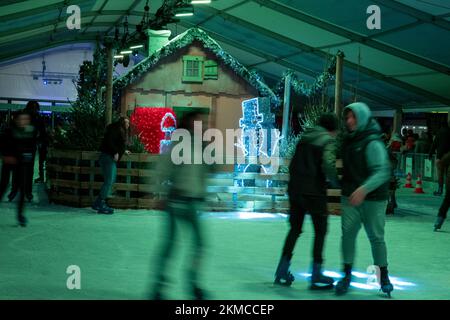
<point x="193" y="69"/>
<point x="211" y="70"/>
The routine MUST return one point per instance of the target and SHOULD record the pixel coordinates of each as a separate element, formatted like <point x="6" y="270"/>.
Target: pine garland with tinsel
<point x="301" y="87"/>
<point x="185" y="39"/>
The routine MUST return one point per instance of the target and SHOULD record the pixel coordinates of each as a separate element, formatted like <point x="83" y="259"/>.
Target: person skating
<point x="314" y="161"/>
<point x="441" y="145"/>
<point x="33" y="108"/>
<point x="23" y="143"/>
<point x="365" y="183"/>
<point x="112" y="148"/>
<point x="442" y="214"/>
<point x="9" y="159"/>
<point x="186" y="195"/>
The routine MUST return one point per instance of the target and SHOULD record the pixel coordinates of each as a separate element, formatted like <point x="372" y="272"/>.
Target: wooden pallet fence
<point x="74" y="179"/>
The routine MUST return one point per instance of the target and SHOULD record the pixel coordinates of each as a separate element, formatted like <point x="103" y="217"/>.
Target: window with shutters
<point x="193" y="69"/>
<point x="211" y="70"/>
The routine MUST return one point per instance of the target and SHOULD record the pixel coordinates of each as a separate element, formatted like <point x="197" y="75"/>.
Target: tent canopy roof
<point x="404" y="64"/>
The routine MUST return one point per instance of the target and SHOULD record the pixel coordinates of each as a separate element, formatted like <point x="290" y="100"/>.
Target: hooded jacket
<point x="365" y="159"/>
<point x="314" y="161"/>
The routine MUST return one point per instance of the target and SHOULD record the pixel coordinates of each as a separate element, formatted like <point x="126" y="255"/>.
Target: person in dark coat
<point x="314" y="161"/>
<point x="9" y="161"/>
<point x="20" y="153"/>
<point x="112" y="148"/>
<point x="445" y="205"/>
<point x="32" y="108"/>
<point x="441" y="145"/>
<point x="38" y="122"/>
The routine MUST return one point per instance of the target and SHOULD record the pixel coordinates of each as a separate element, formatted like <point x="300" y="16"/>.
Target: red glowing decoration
<point x="146" y="121"/>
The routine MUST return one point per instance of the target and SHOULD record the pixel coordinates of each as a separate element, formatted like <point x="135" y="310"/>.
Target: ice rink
<point x="116" y="254"/>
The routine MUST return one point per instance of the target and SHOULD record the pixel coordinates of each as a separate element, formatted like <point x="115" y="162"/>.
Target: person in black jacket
<point x="441" y="145"/>
<point x="112" y="149"/>
<point x="22" y="137"/>
<point x="32" y="109"/>
<point x="38" y="122"/>
<point x="314" y="161"/>
<point x="9" y="161"/>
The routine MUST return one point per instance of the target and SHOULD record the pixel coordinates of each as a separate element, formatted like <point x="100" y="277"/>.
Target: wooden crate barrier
<point x="74" y="179"/>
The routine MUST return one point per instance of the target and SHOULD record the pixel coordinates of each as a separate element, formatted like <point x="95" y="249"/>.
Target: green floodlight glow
<point x="185" y="10"/>
<point x="184" y="14"/>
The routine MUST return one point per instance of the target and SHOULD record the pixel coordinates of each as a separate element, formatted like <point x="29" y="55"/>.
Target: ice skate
<point x="386" y="285"/>
<point x="104" y="208"/>
<point x="439" y="191"/>
<point x="320" y="281"/>
<point x="438" y="224"/>
<point x="283" y="276"/>
<point x="343" y="284"/>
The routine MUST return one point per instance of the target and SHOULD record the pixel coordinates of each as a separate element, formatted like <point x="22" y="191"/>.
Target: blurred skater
<point x="32" y="108"/>
<point x="442" y="214"/>
<point x="20" y="153"/>
<point x="441" y="145"/>
<point x="187" y="191"/>
<point x="9" y="159"/>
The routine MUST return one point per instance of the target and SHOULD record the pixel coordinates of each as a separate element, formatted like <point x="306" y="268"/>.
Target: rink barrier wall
<point x="74" y="179"/>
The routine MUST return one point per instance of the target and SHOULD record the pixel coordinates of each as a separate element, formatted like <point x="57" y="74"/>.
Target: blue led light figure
<point x="256" y="116"/>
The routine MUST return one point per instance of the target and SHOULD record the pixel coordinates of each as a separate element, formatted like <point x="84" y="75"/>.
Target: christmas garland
<point x="301" y="87"/>
<point x="186" y="39"/>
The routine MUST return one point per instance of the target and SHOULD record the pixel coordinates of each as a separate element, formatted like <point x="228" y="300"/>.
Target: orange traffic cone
<point x="419" y="188"/>
<point x="408" y="183"/>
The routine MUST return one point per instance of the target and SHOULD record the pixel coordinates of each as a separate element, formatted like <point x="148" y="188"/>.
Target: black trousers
<point x="21" y="177"/>
<point x="8" y="170"/>
<point x="24" y="177"/>
<point x="28" y="185"/>
<point x="317" y="208"/>
<point x="181" y="212"/>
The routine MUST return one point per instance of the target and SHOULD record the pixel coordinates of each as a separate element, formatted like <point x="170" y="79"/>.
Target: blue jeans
<point x="109" y="171"/>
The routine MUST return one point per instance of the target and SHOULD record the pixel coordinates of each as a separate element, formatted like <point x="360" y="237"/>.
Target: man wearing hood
<point x="314" y="161"/>
<point x="365" y="184"/>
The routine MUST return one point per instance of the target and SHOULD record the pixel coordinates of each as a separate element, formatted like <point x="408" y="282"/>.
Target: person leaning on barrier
<point x="112" y="148"/>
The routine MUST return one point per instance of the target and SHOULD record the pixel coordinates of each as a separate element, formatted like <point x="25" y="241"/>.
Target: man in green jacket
<point x="365" y="182"/>
<point x="314" y="163"/>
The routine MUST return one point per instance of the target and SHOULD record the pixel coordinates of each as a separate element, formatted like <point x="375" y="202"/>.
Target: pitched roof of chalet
<point x="184" y="39"/>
